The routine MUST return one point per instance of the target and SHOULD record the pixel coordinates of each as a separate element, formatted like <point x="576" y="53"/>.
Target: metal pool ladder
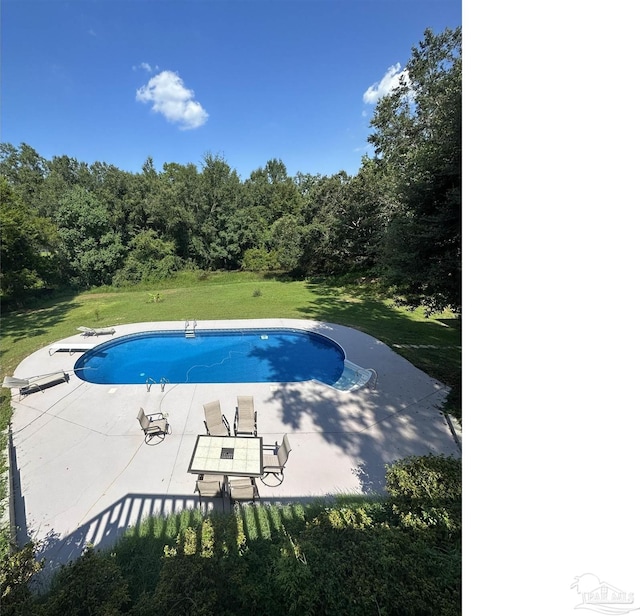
<point x="190" y="330"/>
<point x="163" y="381"/>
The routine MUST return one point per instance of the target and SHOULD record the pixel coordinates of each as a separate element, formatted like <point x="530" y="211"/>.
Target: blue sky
<point x="247" y="80"/>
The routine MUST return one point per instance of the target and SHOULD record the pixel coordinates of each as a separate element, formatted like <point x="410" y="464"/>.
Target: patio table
<point x="227" y="455"/>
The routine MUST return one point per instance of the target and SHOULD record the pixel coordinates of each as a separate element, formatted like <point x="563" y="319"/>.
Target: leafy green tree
<point x="172" y="205"/>
<point x="146" y="186"/>
<point x="224" y="229"/>
<point x="418" y="136"/>
<point x="271" y="194"/>
<point x="118" y="191"/>
<point x="92" y="249"/>
<point x="287" y="241"/>
<point x="27" y="241"/>
<point x="324" y="200"/>
<point x="149" y="258"/>
<point x="363" y="217"/>
<point x="61" y="175"/>
<point x="25" y="171"/>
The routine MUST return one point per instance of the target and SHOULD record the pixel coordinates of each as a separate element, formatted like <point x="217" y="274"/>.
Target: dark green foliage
<point x="150" y="259"/>
<point x="418" y="137"/>
<point x="91" y="586"/>
<point x="260" y="260"/>
<point x="426" y="492"/>
<point x="394" y="556"/>
<point x="90" y="247"/>
<point x="26" y="243"/>
<point x="381" y="570"/>
<point x="17" y="568"/>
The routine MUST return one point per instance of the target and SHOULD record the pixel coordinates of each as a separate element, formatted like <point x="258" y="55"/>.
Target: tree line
<point x="68" y="223"/>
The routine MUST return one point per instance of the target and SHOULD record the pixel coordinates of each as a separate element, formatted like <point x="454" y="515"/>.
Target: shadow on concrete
<point x="104" y="529"/>
<point x="372" y="431"/>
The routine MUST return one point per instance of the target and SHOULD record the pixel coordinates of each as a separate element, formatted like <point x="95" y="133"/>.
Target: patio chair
<point x="96" y="331"/>
<point x="273" y="463"/>
<point x="210" y="486"/>
<point x="215" y="422"/>
<point x="246" y="420"/>
<point x="243" y="488"/>
<point x="153" y="425"/>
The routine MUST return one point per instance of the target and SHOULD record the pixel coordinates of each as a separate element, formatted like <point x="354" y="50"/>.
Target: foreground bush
<point x="395" y="555"/>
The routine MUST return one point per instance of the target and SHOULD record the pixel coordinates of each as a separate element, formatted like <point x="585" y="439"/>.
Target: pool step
<point x="189" y="333"/>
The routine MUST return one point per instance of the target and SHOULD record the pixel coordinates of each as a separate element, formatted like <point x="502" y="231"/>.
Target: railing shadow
<point x="130" y="512"/>
<point x="105" y="528"/>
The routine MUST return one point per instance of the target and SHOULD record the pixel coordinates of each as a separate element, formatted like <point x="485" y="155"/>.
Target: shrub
<point x="260" y="260"/>
<point x="16" y="571"/>
<point x="93" y="584"/>
<point x="426" y="492"/>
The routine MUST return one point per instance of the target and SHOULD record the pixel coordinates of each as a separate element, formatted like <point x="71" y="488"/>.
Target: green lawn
<point x="241" y="295"/>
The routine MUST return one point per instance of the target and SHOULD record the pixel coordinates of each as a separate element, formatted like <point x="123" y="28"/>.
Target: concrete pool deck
<point x="83" y="472"/>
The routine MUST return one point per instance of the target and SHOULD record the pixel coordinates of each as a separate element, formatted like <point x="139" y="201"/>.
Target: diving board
<point x="71" y="347"/>
<point x="35" y="383"/>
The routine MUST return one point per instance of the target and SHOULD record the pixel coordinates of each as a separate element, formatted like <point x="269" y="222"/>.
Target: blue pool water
<point x="214" y="356"/>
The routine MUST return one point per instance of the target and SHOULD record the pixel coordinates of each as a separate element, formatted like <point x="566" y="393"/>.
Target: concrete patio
<point x="83" y="472"/>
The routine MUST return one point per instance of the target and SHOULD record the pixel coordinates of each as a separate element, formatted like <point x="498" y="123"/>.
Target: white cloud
<point x="145" y="66"/>
<point x="389" y="82"/>
<point x="169" y="96"/>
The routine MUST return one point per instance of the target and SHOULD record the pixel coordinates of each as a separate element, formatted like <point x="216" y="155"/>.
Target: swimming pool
<point x="218" y="356"/>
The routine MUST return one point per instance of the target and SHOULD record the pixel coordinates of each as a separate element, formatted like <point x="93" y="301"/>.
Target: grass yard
<point x="241" y="295"/>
